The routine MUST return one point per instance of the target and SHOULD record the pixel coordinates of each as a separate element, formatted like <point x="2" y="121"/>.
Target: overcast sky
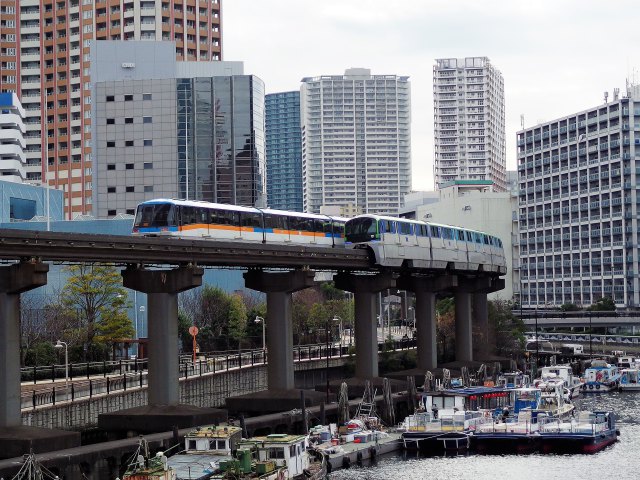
<point x="556" y="56"/>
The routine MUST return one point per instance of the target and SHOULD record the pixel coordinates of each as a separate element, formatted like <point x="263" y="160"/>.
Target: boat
<point x="31" y="469"/>
<point x="205" y="448"/>
<point x="511" y="434"/>
<point x="282" y="456"/>
<point x="600" y="377"/>
<point x="554" y="398"/>
<point x="142" y="466"/>
<point x="572" y="382"/>
<point x="589" y="432"/>
<point x="515" y="379"/>
<point x="629" y="379"/>
<point x="452" y="414"/>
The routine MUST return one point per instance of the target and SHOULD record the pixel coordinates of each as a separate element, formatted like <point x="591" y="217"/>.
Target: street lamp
<point x="60" y="344"/>
<point x="140" y="311"/>
<point x="261" y="320"/>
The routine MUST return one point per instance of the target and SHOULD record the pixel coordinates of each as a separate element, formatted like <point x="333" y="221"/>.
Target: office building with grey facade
<point x="168" y="129"/>
<point x="578" y="206"/>
<point x="283" y="151"/>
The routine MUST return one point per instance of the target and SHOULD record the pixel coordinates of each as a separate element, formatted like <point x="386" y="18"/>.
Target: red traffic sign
<point x="193" y="331"/>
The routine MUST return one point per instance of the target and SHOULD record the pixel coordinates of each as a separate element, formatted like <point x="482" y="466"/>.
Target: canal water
<point x="618" y="461"/>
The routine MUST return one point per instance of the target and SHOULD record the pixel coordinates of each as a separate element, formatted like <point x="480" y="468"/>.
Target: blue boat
<point x="589" y="432"/>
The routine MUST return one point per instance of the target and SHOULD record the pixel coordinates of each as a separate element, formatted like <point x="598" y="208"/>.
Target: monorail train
<point x="189" y="218"/>
<point x="391" y="242"/>
<point x="397" y="242"/>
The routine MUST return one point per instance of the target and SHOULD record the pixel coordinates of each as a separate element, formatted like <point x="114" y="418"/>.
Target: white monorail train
<point x="189" y="218"/>
<point x="398" y="242"/>
<point x="391" y="242"/>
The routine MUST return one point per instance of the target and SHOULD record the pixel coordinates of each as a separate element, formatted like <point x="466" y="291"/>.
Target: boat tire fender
<point x="346" y="462"/>
<point x="359" y="458"/>
<point x="372" y="452"/>
<point x="329" y="467"/>
<point x="597" y="387"/>
<point x="591" y="387"/>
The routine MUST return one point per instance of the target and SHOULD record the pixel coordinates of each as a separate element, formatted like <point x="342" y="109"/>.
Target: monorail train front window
<point x="155" y="215"/>
<point x="361" y="230"/>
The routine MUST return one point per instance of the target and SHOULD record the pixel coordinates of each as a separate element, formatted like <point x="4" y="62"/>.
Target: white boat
<point x="565" y="373"/>
<point x="515" y="379"/>
<point x="554" y="398"/>
<point x="205" y="449"/>
<point x="600" y="377"/>
<point x="630" y="379"/>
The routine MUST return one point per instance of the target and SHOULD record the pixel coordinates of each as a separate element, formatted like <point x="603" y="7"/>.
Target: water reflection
<point x="617" y="461"/>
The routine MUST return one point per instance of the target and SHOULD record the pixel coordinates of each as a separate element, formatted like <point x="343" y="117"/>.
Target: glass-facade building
<point x="220" y="127"/>
<point x="283" y="151"/>
<point x="578" y="206"/>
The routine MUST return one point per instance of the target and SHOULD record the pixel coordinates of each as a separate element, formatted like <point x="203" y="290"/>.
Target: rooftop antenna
<point x="522" y="121"/>
<point x="616" y="94"/>
<point x="606" y="97"/>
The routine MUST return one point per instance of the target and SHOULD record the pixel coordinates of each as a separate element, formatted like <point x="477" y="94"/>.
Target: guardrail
<point x="130" y="374"/>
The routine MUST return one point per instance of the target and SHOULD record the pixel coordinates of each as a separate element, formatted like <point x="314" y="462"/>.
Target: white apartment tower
<point x="356" y="141"/>
<point x="12" y="158"/>
<point x="578" y="206"/>
<point x="45" y="60"/>
<point x="469" y="121"/>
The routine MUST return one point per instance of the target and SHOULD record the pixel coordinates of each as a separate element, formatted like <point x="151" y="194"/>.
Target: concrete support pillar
<point x="365" y="288"/>
<point x="481" y="317"/>
<point x="425" y="289"/>
<point x="464" y="345"/>
<point x="14" y="280"/>
<point x="279" y="287"/>
<point x="163" y="287"/>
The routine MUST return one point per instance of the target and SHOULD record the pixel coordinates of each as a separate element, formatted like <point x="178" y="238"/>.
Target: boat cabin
<point x="220" y="440"/>
<point x="465" y="399"/>
<point x="600" y="371"/>
<point x="284" y="450"/>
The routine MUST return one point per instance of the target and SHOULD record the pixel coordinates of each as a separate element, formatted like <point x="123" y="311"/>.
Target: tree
<point x="603" y="304"/>
<point x="112" y="327"/>
<point x="90" y="291"/>
<point x="569" y="307"/>
<point x="509" y="330"/>
<point x="446" y="327"/>
<point x="237" y="319"/>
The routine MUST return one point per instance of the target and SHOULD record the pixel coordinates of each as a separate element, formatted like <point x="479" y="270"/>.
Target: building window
<point x="131" y="211"/>
<point x="111" y="121"/>
<point x="146" y="96"/>
<point x="111" y="166"/>
<point x="148" y="165"/>
<point x="147" y="120"/>
<point x="111" y="189"/>
<point x="110" y="98"/>
<point x="148" y="188"/>
<point x="128" y="98"/>
<point x="130" y="189"/>
<point x="128" y="143"/>
<point x="148" y="143"/>
<point x="129" y="166"/>
<point x="111" y="144"/>
<point x="128" y="120"/>
<point x="111" y="213"/>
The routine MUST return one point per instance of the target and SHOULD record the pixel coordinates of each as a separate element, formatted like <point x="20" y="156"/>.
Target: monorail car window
<point x="469" y="236"/>
<point x="250" y="219"/>
<point x="224" y="217"/>
<point x="338" y="228"/>
<point x="486" y="239"/>
<point x="158" y="215"/>
<point x="276" y="222"/>
<point x="435" y="233"/>
<point x="188" y="215"/>
<point x="405" y="228"/>
<point x="202" y="215"/>
<point x="461" y="235"/>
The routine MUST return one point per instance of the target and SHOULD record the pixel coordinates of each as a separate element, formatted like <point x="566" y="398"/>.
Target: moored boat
<point x="630" y="379"/>
<point x="589" y="432"/>
<point x="600" y="377"/>
<point x="564" y="372"/>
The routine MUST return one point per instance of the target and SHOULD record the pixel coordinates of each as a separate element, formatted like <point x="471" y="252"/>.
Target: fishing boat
<point x="554" y="398"/>
<point x="515" y="379"/>
<point x="142" y="466"/>
<point x="629" y="379"/>
<point x="451" y="416"/>
<point x="205" y="448"/>
<point x="589" y="432"/>
<point x="31" y="469"/>
<point x="564" y="372"/>
<point x="600" y="377"/>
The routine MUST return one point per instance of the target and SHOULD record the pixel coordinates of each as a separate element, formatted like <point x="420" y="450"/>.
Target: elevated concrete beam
<point x="279" y="286"/>
<point x="163" y="287"/>
<point x="425" y="289"/>
<point x="365" y="288"/>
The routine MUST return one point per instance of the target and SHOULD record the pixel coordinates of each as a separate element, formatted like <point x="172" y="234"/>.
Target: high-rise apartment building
<point x="172" y="129"/>
<point x="283" y="151"/>
<point x="469" y="121"/>
<point x="356" y="141"/>
<point x="45" y="59"/>
<point x="578" y="205"/>
<point x="12" y="145"/>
